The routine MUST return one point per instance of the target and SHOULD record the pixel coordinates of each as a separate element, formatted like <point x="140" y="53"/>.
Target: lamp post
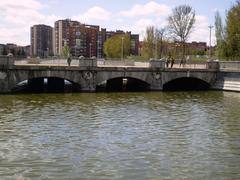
<point x="156" y="50"/>
<point x="210" y="40"/>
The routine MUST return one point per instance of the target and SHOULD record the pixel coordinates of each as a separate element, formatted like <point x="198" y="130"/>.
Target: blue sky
<point x="16" y="16"/>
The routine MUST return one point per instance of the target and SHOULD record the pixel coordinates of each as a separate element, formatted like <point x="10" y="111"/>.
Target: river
<point x="152" y="135"/>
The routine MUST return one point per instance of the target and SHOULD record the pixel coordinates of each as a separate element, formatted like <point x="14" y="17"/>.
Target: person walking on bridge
<point x="172" y="61"/>
<point x="69" y="60"/>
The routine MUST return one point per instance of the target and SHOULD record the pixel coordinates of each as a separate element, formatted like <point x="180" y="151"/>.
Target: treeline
<point x="228" y="34"/>
<point x="158" y="42"/>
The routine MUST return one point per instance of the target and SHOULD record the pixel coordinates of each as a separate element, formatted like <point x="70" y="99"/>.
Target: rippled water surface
<point x="156" y="135"/>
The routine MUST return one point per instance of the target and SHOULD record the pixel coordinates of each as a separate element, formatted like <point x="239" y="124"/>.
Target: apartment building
<point x="41" y="40"/>
<point x="80" y="38"/>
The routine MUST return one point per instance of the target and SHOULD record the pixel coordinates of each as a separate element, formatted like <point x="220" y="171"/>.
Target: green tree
<point x="181" y="24"/>
<point x="117" y="46"/>
<point x="154" y="42"/>
<point x="65" y="51"/>
<point x="220" y="36"/>
<point x="148" y="42"/>
<point x="233" y="32"/>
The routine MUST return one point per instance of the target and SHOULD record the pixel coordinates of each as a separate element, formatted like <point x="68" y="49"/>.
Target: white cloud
<point x="94" y="13"/>
<point x="17" y="17"/>
<point x="219" y="10"/>
<point x="150" y="8"/>
<point x="16" y="4"/>
<point x="201" y="30"/>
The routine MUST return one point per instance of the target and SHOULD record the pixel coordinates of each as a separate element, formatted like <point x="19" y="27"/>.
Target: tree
<point x="66" y="51"/>
<point x="160" y="39"/>
<point x="4" y="52"/>
<point x="220" y="36"/>
<point x="148" y="43"/>
<point x="154" y="42"/>
<point x="23" y="52"/>
<point x="19" y="52"/>
<point x="117" y="46"/>
<point x="181" y="24"/>
<point x="233" y="31"/>
<point x="13" y="51"/>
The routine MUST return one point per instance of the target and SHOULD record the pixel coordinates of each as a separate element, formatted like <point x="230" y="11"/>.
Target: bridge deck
<point x="75" y="63"/>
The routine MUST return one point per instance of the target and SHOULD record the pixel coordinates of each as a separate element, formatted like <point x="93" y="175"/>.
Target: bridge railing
<point x="190" y="64"/>
<point x="6" y="61"/>
<point x="229" y="65"/>
<point x="116" y="63"/>
<point x="218" y="65"/>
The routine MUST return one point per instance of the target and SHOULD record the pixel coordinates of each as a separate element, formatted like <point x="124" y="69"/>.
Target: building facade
<point x="41" y="40"/>
<point x="80" y="38"/>
<point x="2" y="49"/>
<point x="134" y="38"/>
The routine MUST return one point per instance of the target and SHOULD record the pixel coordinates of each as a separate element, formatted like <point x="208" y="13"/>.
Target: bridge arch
<point x="45" y="84"/>
<point x="123" y="84"/>
<point x="186" y="83"/>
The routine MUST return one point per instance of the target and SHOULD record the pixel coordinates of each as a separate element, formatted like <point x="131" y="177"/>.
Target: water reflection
<point x="162" y="135"/>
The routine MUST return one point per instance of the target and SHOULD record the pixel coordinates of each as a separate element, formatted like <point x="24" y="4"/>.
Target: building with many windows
<point x="134" y="44"/>
<point x="81" y="39"/>
<point x="41" y="40"/>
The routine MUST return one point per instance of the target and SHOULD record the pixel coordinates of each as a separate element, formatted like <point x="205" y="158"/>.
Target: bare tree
<point x="160" y="37"/>
<point x="181" y="23"/>
<point x="153" y="43"/>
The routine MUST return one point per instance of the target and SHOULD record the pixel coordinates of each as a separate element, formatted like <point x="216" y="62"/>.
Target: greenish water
<point x="155" y="135"/>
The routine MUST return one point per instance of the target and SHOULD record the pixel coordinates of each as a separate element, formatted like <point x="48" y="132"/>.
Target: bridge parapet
<point x="157" y="63"/>
<point x="229" y="65"/>
<point x="6" y="61"/>
<point x="213" y="65"/>
<point x="88" y="62"/>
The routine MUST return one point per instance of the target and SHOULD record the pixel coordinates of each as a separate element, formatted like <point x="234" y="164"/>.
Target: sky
<point x="17" y="16"/>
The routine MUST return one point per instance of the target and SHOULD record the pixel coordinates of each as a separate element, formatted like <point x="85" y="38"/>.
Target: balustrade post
<point x="213" y="65"/>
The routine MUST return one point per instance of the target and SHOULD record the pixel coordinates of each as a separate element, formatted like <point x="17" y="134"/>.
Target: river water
<point x="153" y="135"/>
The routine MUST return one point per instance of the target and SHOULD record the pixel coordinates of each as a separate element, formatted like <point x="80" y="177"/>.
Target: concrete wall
<point x="229" y="81"/>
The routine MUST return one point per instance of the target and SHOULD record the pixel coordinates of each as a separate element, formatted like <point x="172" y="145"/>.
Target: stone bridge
<point x="88" y="76"/>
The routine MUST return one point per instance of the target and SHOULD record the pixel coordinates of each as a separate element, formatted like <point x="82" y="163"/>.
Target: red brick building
<point x="85" y="40"/>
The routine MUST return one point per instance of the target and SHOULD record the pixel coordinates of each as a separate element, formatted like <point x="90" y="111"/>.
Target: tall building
<point x="41" y="40"/>
<point x="102" y="36"/>
<point x="2" y="47"/>
<point x="134" y="38"/>
<point x="80" y="38"/>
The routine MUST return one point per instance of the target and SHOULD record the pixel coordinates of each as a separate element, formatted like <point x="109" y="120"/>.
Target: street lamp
<point x="156" y="50"/>
<point x="122" y="48"/>
<point x="210" y="40"/>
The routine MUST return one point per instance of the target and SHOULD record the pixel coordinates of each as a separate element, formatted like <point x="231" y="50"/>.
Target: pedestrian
<point x="69" y="60"/>
<point x="172" y="62"/>
<point x="168" y="60"/>
<point x="182" y="62"/>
